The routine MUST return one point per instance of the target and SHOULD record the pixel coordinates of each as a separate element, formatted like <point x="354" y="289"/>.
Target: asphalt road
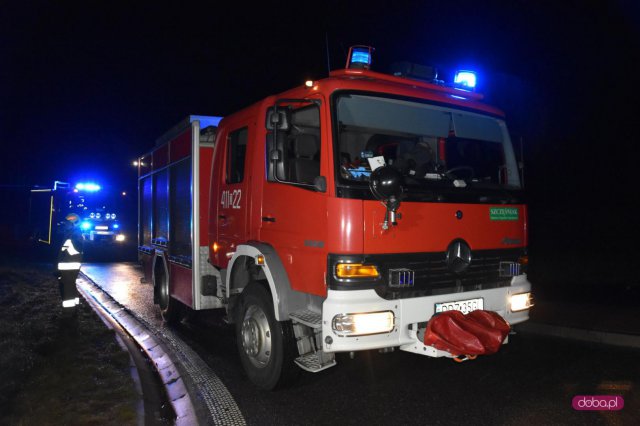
<point x="532" y="380"/>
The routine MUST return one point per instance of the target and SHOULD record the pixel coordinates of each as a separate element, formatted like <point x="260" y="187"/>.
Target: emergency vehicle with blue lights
<point x="101" y="220"/>
<point x="339" y="216"/>
<point x="99" y="212"/>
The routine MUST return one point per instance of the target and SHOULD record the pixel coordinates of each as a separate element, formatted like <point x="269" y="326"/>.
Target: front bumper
<point x="409" y="314"/>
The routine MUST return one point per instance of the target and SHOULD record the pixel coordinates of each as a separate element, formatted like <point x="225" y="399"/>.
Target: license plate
<point x="464" y="306"/>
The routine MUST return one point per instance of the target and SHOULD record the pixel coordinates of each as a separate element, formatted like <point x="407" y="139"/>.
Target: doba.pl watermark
<point x="597" y="402"/>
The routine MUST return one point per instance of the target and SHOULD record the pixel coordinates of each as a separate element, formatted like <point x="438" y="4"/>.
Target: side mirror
<point x="278" y="119"/>
<point x="386" y="185"/>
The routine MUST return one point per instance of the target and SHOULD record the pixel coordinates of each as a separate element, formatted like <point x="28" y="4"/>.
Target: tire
<point x="267" y="347"/>
<point x="170" y="308"/>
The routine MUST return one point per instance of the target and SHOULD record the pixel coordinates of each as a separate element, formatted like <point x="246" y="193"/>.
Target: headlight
<point x="363" y="324"/>
<point x="521" y="301"/>
<point x="356" y="270"/>
<point x="120" y="237"/>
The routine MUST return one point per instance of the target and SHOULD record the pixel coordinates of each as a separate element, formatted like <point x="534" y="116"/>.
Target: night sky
<point x="86" y="87"/>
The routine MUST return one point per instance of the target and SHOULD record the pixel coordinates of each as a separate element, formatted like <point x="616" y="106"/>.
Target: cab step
<point x="315" y="361"/>
<point x="307" y="326"/>
<point x="307" y="317"/>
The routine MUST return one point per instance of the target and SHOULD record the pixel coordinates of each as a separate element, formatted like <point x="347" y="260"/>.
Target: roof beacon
<point x="91" y="187"/>
<point x="359" y="57"/>
<point x="465" y="80"/>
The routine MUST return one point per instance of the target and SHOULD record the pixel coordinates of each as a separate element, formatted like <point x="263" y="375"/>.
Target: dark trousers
<point x="67" y="284"/>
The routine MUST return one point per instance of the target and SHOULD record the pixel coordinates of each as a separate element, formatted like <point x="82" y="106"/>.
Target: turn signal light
<point x="356" y="270"/>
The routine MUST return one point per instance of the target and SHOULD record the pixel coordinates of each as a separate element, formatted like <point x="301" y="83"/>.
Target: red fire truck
<point x="338" y="216"/>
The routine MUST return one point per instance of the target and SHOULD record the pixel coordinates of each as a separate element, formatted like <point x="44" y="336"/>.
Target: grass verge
<point x="56" y="368"/>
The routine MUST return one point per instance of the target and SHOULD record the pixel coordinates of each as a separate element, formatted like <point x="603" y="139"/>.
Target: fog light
<point x="356" y="270"/>
<point x="363" y="324"/>
<point x="521" y="301"/>
<point x="120" y="237"/>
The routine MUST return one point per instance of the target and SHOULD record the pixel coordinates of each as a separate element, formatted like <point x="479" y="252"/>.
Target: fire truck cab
<point x="338" y="216"/>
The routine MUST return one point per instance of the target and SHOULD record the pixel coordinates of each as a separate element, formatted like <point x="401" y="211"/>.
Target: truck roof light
<point x="91" y="187"/>
<point x="465" y="80"/>
<point x="308" y="83"/>
<point x="359" y="57"/>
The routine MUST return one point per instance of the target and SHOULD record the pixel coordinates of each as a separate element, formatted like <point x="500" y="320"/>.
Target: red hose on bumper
<point x="477" y="333"/>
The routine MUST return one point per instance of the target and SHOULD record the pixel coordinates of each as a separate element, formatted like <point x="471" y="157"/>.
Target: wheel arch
<point x="284" y="298"/>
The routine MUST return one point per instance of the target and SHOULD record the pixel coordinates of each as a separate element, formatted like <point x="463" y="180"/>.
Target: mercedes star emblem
<point x="458" y="256"/>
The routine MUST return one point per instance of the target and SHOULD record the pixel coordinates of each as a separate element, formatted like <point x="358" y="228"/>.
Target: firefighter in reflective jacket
<point x="69" y="260"/>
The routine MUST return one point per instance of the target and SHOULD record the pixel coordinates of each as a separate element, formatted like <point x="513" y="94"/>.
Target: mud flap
<point x="477" y="333"/>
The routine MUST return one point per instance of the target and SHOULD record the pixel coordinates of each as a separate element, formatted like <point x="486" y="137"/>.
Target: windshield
<point x="432" y="146"/>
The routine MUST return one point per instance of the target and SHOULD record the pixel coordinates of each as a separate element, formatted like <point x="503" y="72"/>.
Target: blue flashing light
<point x="465" y="79"/>
<point x="91" y="187"/>
<point x="86" y="225"/>
<point x="116" y="226"/>
<point x="359" y="57"/>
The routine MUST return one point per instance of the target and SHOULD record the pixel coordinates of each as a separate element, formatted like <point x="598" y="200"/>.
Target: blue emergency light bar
<point x="359" y="57"/>
<point x="91" y="187"/>
<point x="86" y="225"/>
<point x="465" y="80"/>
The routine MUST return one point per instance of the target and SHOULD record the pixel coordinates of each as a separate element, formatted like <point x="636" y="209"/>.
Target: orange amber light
<point x="356" y="270"/>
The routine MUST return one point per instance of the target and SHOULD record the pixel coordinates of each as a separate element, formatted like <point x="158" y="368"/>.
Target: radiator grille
<point x="432" y="276"/>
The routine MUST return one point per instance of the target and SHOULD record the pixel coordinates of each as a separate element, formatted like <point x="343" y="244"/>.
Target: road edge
<point x="165" y="366"/>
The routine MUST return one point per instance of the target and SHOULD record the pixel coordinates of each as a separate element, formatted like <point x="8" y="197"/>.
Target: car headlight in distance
<point x="521" y="301"/>
<point x="120" y="237"/>
<point x="361" y="324"/>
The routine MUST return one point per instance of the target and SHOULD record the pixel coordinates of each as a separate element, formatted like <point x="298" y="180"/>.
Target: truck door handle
<point x="268" y="219"/>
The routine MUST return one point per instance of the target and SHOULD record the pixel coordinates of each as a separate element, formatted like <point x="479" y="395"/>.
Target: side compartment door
<point x="233" y="192"/>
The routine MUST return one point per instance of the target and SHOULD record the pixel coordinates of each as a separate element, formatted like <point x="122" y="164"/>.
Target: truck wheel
<point x="267" y="347"/>
<point x="170" y="308"/>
